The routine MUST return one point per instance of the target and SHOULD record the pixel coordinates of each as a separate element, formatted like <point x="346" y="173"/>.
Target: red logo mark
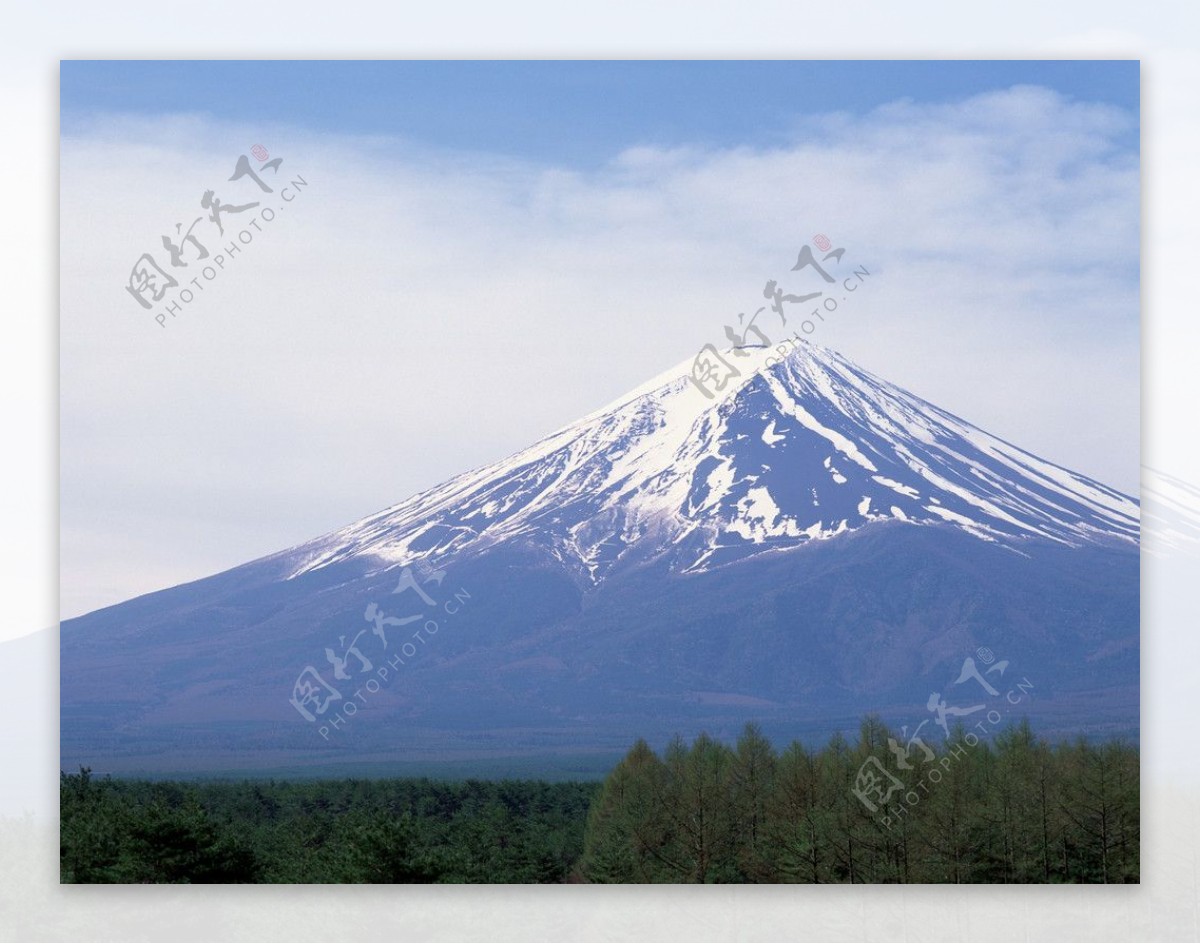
<point x="260" y="153"/>
<point x="821" y="241"/>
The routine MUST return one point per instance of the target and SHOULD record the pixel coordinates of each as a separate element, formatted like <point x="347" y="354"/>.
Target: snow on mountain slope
<point x="803" y="449"/>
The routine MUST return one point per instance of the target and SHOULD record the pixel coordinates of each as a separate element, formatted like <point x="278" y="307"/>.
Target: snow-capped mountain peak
<point x="805" y="448"/>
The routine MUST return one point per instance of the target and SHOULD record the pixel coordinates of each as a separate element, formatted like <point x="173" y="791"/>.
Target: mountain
<point x="804" y="545"/>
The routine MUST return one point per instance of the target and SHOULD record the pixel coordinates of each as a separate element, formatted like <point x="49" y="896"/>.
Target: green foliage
<point x="1015" y="810"/>
<point x="166" y="837"/>
<point x="378" y="831"/>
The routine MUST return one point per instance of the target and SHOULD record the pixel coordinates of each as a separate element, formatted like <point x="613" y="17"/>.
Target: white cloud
<point x="412" y="313"/>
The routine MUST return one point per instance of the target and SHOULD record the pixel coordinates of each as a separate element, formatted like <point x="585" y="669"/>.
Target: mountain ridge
<point x="656" y="429"/>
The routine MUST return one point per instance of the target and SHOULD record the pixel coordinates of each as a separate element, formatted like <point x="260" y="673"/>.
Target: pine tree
<point x="752" y="780"/>
<point x="798" y="822"/>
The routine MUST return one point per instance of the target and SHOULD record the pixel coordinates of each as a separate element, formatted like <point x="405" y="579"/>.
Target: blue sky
<point x="573" y="113"/>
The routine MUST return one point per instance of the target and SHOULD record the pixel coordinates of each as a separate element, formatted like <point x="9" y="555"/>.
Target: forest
<point x="320" y="831"/>
<point x="1012" y="809"/>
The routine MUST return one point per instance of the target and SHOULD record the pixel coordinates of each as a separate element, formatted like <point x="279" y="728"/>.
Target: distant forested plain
<point x="1012" y="809"/>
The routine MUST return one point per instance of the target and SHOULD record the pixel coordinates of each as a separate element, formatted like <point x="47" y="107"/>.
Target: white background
<point x="33" y="907"/>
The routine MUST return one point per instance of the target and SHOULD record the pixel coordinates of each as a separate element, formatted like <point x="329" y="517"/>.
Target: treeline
<point x="402" y="830"/>
<point x="1014" y="809"/>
